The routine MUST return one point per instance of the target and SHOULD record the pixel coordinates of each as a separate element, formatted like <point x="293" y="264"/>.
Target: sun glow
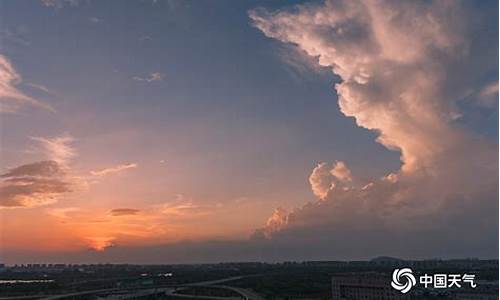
<point x="100" y="243"/>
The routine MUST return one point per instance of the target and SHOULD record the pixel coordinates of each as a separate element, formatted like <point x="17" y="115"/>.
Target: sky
<point x="206" y="131"/>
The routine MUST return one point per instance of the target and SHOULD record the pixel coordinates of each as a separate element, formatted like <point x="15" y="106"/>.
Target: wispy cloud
<point x="60" y="3"/>
<point x="11" y="98"/>
<point x="95" y="20"/>
<point x="58" y="149"/>
<point x="39" y="87"/>
<point x="155" y="76"/>
<point x="118" y="212"/>
<point x="488" y="95"/>
<point x="178" y="208"/>
<point x="62" y="212"/>
<point x="16" y="35"/>
<point x="115" y="169"/>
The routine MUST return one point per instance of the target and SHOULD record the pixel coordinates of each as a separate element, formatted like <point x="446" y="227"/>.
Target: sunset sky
<point x="197" y="131"/>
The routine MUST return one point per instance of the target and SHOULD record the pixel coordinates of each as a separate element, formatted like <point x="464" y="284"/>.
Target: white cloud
<point x="488" y="95"/>
<point x="325" y="178"/>
<point x="16" y="35"/>
<point x="11" y="98"/>
<point x="275" y="223"/>
<point x="298" y="63"/>
<point x="39" y="87"/>
<point x="181" y="207"/>
<point x="95" y="20"/>
<point x="321" y="180"/>
<point x="58" y="149"/>
<point x="115" y="169"/>
<point x="387" y="65"/>
<point x="60" y="3"/>
<point x="178" y="208"/>
<point x="341" y="172"/>
<point x="155" y="76"/>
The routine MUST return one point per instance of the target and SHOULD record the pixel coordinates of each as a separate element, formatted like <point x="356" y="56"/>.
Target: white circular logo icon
<point x="403" y="280"/>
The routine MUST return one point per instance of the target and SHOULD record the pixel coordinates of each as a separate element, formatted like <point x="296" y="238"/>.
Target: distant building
<point x="364" y="286"/>
<point x="388" y="261"/>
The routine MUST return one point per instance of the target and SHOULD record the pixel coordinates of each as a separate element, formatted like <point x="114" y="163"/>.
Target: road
<point x="78" y="294"/>
<point x="245" y="293"/>
<point x="214" y="282"/>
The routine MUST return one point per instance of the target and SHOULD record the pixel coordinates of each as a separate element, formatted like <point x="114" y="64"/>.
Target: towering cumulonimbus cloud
<point x="392" y="59"/>
<point x="404" y="68"/>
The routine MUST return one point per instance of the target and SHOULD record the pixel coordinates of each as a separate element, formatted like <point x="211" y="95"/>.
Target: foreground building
<point x="364" y="287"/>
<point x="377" y="286"/>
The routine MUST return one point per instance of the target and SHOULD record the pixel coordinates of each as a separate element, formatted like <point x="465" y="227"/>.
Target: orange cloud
<point x="42" y="182"/>
<point x="34" y="184"/>
<point x="117" y="212"/>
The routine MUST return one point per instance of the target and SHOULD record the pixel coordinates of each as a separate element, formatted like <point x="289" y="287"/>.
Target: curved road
<point x="245" y="293"/>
